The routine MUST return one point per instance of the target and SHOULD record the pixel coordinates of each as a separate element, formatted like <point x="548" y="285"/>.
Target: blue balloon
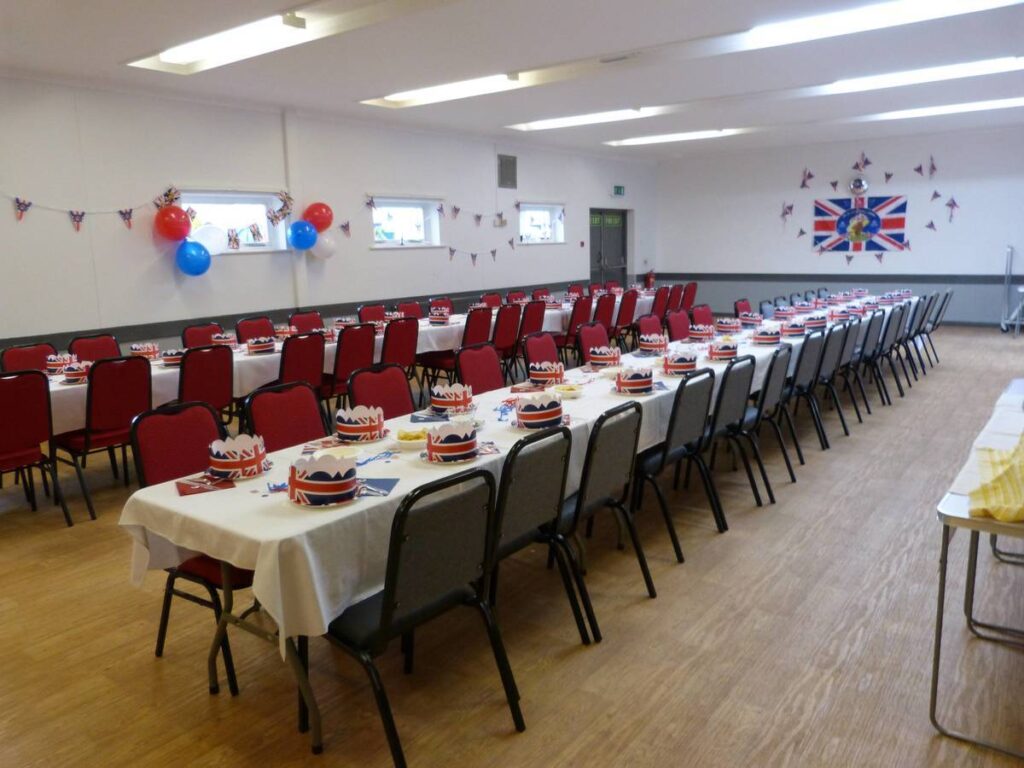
<point x="192" y="258"/>
<point x="301" y="235"/>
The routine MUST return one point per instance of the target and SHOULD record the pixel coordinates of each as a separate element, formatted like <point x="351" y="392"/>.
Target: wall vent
<point x="507" y="177"/>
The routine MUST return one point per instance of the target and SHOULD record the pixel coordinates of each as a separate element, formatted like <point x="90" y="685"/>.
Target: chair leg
<point x="792" y="434"/>
<point x="839" y="408"/>
<point x="570" y="592"/>
<point x="30" y="488"/>
<point x="819" y="424"/>
<point x="508" y="681"/>
<point x="58" y="494"/>
<point x="711" y="492"/>
<point x="735" y="443"/>
<point x="409" y="648"/>
<point x="165" y="614"/>
<point x="756" y="450"/>
<point x="665" y="514"/>
<point x="384" y="708"/>
<point x="225" y="646"/>
<point x="931" y="343"/>
<point x="84" y="487"/>
<point x="112" y="455"/>
<point x="46" y="482"/>
<point x="627" y="519"/>
<point x="896" y="376"/>
<point x="782" y="447"/>
<point x="860" y="386"/>
<point x="581" y="586"/>
<point x="124" y="464"/>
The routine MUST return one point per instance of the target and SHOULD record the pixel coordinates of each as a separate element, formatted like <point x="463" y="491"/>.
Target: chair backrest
<point x="892" y="328"/>
<point x="443" y="301"/>
<point x="835" y="339"/>
<point x="441" y="541"/>
<point x="580" y="314"/>
<point x="506" y="328"/>
<point x="384" y="386"/>
<point x="200" y="334"/>
<point x="648" y="325"/>
<point x="120" y="388"/>
<point x="492" y="299"/>
<point x="873" y="335"/>
<point x="742" y="305"/>
<point x="253" y="327"/>
<point x="306" y="322"/>
<point x="689" y="296"/>
<point x="591" y="335"/>
<point x="533" y="319"/>
<point x="285" y="415"/>
<point x="543" y="293"/>
<point x="610" y="460"/>
<point x="532" y="483"/>
<point x="207" y="376"/>
<point x="675" y="298"/>
<point x="923" y="315"/>
<point x="767" y="309"/>
<point x="411" y="309"/>
<point x="400" y="339"/>
<point x="940" y="313"/>
<point x="660" y="304"/>
<point x="355" y="350"/>
<point x="371" y="313"/>
<point x="910" y="310"/>
<point x="809" y="359"/>
<point x="24" y="411"/>
<point x="513" y="296"/>
<point x="610" y="285"/>
<point x="478" y="327"/>
<point x="541" y="348"/>
<point x="479" y="366"/>
<point x="702" y="315"/>
<point x="733" y="394"/>
<point x="174" y="441"/>
<point x="26" y="357"/>
<point x="627" y="309"/>
<point x="594" y="289"/>
<point x="604" y="311"/>
<point x="302" y="359"/>
<point x="678" y="325"/>
<point x="774" y="380"/>
<point x="690" y="408"/>
<point x="810" y="295"/>
<point x="795" y="297"/>
<point x="849" y="341"/>
<point x="93" y="348"/>
<point x="780" y="301"/>
<point x="823" y="292"/>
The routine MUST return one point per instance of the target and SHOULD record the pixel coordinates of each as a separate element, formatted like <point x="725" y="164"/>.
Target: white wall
<point x="719" y="213"/>
<point x="79" y="148"/>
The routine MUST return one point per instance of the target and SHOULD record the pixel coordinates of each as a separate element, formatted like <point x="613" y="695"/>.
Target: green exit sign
<point x="619" y="191"/>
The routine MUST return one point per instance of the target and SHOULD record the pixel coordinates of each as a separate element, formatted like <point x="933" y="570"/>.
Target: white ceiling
<point x="90" y="42"/>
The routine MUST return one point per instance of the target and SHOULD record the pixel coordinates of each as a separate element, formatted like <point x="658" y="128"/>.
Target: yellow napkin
<point x="1001" y="493"/>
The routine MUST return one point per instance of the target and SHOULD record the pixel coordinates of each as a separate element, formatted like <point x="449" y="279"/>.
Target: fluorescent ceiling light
<point x="946" y="109"/>
<point x="593" y="118"/>
<point x="928" y="75"/>
<point x="462" y="89"/>
<point x="670" y="137"/>
<point x="862" y="19"/>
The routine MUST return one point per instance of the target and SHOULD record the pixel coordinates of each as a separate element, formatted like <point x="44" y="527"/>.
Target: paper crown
<point x="765" y="335"/>
<point x="678" y="363"/>
<point x="56" y="363"/>
<point x="722" y="350"/>
<point x="835" y="300"/>
<point x="172" y="356"/>
<point x="856" y="310"/>
<point x="260" y="344"/>
<point x="860" y="292"/>
<point x="145" y="349"/>
<point x="324" y="480"/>
<point x="342" y="322"/>
<point x="439" y="316"/>
<point x="702" y="331"/>
<point x="839" y="314"/>
<point x="223" y="338"/>
<point x="784" y="312"/>
<point x="447" y="398"/>
<point x="285" y="330"/>
<point x="77" y="371"/>
<point x="237" y="457"/>
<point x="794" y="328"/>
<point x="634" y="380"/>
<point x="547" y="372"/>
<point x="817" y="320"/>
<point x="539" y="410"/>
<point x="602" y="357"/>
<point x="727" y="325"/>
<point x="653" y="342"/>
<point x="803" y="307"/>
<point x="750" y="318"/>
<point x="452" y="441"/>
<point x="360" y="423"/>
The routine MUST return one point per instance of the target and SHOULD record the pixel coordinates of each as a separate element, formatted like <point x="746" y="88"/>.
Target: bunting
<point x="126" y="216"/>
<point x="77" y="217"/>
<point x="21" y="207"/>
<point x="277" y="216"/>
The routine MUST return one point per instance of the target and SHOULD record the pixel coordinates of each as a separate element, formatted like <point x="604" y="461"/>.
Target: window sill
<point x="549" y="242"/>
<point x="406" y="247"/>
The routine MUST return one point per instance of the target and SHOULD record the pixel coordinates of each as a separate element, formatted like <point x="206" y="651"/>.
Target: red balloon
<point x="172" y="222"/>
<point x="319" y="215"/>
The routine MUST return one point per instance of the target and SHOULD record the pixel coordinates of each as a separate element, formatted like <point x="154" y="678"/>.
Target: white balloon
<point x="325" y="246"/>
<point x="212" y="237"/>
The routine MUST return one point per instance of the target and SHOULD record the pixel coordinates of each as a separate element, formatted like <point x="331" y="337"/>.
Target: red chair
<point x="26" y="357"/>
<point x="742" y="305"/>
<point x="476" y="331"/>
<point x="660" y="305"/>
<point x="382" y="386"/>
<point x="480" y="367"/>
<point x="702" y="315"/>
<point x="594" y="289"/>
<point x="611" y="285"/>
<point x="539" y="294"/>
<point x="491" y="299"/>
<point x="285" y="415"/>
<point x="371" y="313"/>
<point x="506" y="335"/>
<point x="169" y="443"/>
<point x="306" y="322"/>
<point x="624" y="319"/>
<point x="540" y="348"/>
<point x="580" y="314"/>
<point x="689" y="296"/>
<point x="590" y="335"/>
<point x="678" y="325"/>
<point x="119" y="389"/>
<point x="443" y="301"/>
<point x="25" y="414"/>
<point x="411" y="309"/>
<point x="574" y="290"/>
<point x="648" y="325"/>
<point x="604" y="312"/>
<point x="400" y="339"/>
<point x="207" y="376"/>
<point x="355" y="350"/>
<point x="253" y="327"/>
<point x="532" y="322"/>
<point x="200" y="334"/>
<point x="93" y="348"/>
<point x="302" y="359"/>
<point x="514" y="296"/>
<point x="675" y="298"/>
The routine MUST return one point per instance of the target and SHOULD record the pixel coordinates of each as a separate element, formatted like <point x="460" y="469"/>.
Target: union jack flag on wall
<point x="860" y="224"/>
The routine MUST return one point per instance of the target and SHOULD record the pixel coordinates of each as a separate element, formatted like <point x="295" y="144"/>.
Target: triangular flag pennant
<point x="888" y="176"/>
<point x="932" y="168"/>
<point x="455" y="211"/>
<point x="849" y="258"/>
<point x="451" y="254"/>
<point x="931" y="225"/>
<point x="879" y="257"/>
<point x="561" y="215"/>
<point x="512" y="243"/>
<point x="518" y="204"/>
<point x="935" y="196"/>
<point x="494" y="254"/>
<point x="834" y="185"/>
<point x="801" y="233"/>
<point x="170" y="196"/>
<point x="370" y="203"/>
<point x="233" y="242"/>
<point x="805" y="178"/>
<point x="77" y="217"/>
<point x="906" y="245"/>
<point x="478" y="217"/>
<point x="346" y="227"/>
<point x="472" y="256"/>
<point x="192" y="213"/>
<point x="275" y="217"/>
<point x="126" y="216"/>
<point x="440" y="210"/>
<point x="21" y="207"/>
<point x="919" y="170"/>
<point x="952" y="205"/>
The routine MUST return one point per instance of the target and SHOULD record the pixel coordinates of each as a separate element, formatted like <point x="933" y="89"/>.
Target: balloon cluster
<point x="310" y="232"/>
<point x="173" y="223"/>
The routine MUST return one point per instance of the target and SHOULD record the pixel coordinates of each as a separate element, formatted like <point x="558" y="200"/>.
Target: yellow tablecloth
<point x="1001" y="493"/>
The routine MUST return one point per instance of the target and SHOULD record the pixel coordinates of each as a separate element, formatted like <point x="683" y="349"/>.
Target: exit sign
<point x="619" y="191"/>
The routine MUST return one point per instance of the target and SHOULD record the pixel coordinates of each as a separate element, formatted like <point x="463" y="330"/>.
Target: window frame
<point x="277" y="236"/>
<point x="554" y="210"/>
<point x="431" y="221"/>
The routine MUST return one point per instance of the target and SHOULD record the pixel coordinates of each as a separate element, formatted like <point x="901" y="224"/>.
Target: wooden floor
<point x="803" y="636"/>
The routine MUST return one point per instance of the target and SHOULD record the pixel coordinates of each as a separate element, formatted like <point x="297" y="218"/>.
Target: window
<point x="235" y="221"/>
<point x="541" y="223"/>
<point x="406" y="222"/>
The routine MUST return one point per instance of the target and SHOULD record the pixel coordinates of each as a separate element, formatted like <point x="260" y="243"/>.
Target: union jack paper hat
<point x="678" y="363"/>
<point x="360" y="423"/>
<point x="539" y="411"/>
<point x="750" y="318"/>
<point x="702" y="331"/>
<point x="722" y="350"/>
<point x="764" y="335"/>
<point x="324" y="480"/>
<point x="260" y="345"/>
<point x="654" y="342"/>
<point x="451" y="398"/>
<point x="238" y="457"/>
<point x="547" y="373"/>
<point x="172" y="356"/>
<point x="727" y="325"/>
<point x="56" y="363"/>
<point x="634" y="380"/>
<point x="77" y="372"/>
<point x="146" y="349"/>
<point x="453" y="441"/>
<point x="602" y="357"/>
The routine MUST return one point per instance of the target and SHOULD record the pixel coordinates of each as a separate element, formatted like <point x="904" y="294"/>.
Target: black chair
<point x="885" y="350"/>
<point x="835" y="342"/>
<point x="913" y="336"/>
<point x="802" y="380"/>
<point x="685" y="439"/>
<point x="440" y="557"/>
<point x="933" y="324"/>
<point x="767" y="309"/>
<point x="823" y="292"/>
<point x="727" y="421"/>
<point x="810" y="295"/>
<point x="909" y="320"/>
<point x="768" y="407"/>
<point x="606" y="483"/>
<point x="780" y="301"/>
<point x="866" y="353"/>
<point x="530" y="503"/>
<point x="795" y="297"/>
<point x="917" y="338"/>
<point x="846" y="362"/>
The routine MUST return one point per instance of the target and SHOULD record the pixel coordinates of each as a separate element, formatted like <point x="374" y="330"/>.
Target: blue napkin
<point x="660" y="385"/>
<point x="421" y="418"/>
<point x="377" y="486"/>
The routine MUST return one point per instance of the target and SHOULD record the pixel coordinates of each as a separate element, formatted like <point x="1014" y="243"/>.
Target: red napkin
<point x="201" y="484"/>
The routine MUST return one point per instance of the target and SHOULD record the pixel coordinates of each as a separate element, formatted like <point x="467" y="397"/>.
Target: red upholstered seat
<point x="200" y="335"/>
<point x="591" y="335"/>
<point x="543" y="293"/>
<point x="540" y="348"/>
<point x="98" y="438"/>
<point x="678" y="325"/>
<point x="371" y="313"/>
<point x="92" y="348"/>
<point x="689" y="296"/>
<point x="12" y="460"/>
<point x="207" y="376"/>
<point x="741" y="305"/>
<point x="285" y="415"/>
<point x="648" y="325"/>
<point x="302" y="359"/>
<point x="480" y="367"/>
<point x="208" y="569"/>
<point x="382" y="386"/>
<point x="580" y="314"/>
<point x="491" y="299"/>
<point x="604" y="311"/>
<point x="675" y="298"/>
<point x="253" y="327"/>
<point x="306" y="322"/>
<point x="660" y="304"/>
<point x="624" y="319"/>
<point x="702" y="315"/>
<point x="506" y="333"/>
<point x="411" y="309"/>
<point x="356" y="344"/>
<point x="26" y="357"/>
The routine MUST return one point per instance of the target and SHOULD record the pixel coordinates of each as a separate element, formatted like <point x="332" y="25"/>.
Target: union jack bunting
<point x="860" y="224"/>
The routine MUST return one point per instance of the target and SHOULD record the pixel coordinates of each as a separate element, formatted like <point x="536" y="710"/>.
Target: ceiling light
<point x="947" y="109"/>
<point x="593" y="118"/>
<point x="670" y="137"/>
<point x="862" y="19"/>
<point x="928" y="75"/>
<point x="462" y="89"/>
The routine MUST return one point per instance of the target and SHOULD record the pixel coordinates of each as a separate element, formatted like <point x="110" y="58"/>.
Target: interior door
<point x="607" y="245"/>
